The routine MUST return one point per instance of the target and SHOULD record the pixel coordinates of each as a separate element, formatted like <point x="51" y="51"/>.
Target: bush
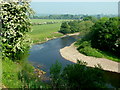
<point x="89" y="51"/>
<point x="78" y="76"/>
<point x="84" y="44"/>
<point x="106" y="35"/>
<point x="55" y="72"/>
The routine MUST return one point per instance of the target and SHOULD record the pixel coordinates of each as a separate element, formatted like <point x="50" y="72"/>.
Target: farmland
<point x="41" y="33"/>
<point x="47" y="20"/>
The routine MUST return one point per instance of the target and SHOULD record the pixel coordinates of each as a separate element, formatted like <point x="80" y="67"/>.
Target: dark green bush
<point x="78" y="76"/>
<point x="106" y="35"/>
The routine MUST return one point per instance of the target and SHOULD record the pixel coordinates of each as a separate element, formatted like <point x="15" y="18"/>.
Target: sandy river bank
<point x="70" y="53"/>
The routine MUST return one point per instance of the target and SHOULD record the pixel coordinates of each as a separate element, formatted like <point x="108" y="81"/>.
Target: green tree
<point x="15" y="25"/>
<point x="77" y="76"/>
<point x="85" y="27"/>
<point x="65" y="28"/>
<point x="55" y="72"/>
<point x="74" y="26"/>
<point x="106" y="34"/>
<point x="90" y="18"/>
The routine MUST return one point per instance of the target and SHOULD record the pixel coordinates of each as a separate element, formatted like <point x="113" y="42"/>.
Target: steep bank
<point x="70" y="53"/>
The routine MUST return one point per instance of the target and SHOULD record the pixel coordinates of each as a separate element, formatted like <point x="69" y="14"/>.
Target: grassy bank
<point x="86" y="48"/>
<point x="10" y="74"/>
<point x="20" y="75"/>
<point x="41" y="33"/>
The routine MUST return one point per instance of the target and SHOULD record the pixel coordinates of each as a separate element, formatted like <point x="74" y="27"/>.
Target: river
<point x="47" y="53"/>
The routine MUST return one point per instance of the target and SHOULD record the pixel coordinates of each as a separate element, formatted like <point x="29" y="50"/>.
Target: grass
<point x="12" y="70"/>
<point x="41" y="32"/>
<point x="48" y="20"/>
<point x="20" y="75"/>
<point x="86" y="49"/>
<point x="10" y="74"/>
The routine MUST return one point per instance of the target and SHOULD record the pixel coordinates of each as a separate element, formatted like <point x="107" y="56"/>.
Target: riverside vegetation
<point x="19" y="73"/>
<point x="99" y="37"/>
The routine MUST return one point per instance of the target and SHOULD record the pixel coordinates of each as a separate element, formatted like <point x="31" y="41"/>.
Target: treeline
<point x="101" y="37"/>
<point x="77" y="25"/>
<point x="66" y="16"/>
<point x="69" y="16"/>
<point x="102" y="40"/>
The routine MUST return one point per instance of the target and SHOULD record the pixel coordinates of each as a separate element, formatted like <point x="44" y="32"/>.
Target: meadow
<point x="41" y="33"/>
<point x="48" y="20"/>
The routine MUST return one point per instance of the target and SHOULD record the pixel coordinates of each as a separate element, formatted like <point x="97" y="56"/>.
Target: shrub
<point x="106" y="33"/>
<point x="55" y="72"/>
<point x="78" y="76"/>
<point x="84" y="44"/>
<point x="89" y="51"/>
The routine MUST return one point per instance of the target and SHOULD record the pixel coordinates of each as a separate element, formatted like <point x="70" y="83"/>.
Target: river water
<point x="47" y="53"/>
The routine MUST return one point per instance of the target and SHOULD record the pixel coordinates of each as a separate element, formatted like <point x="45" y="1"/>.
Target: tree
<point x="85" y="27"/>
<point x="15" y="25"/>
<point x="90" y="18"/>
<point x="65" y="28"/>
<point x="106" y="34"/>
<point x="77" y="76"/>
<point x="74" y="26"/>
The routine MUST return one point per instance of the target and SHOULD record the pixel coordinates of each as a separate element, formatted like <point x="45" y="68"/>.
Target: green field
<point x="47" y="20"/>
<point x="41" y="33"/>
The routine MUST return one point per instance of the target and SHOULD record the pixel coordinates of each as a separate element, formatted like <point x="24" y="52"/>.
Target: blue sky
<point x="75" y="0"/>
<point x="75" y="7"/>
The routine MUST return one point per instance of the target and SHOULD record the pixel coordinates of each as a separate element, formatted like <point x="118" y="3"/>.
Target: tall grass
<point x="10" y="74"/>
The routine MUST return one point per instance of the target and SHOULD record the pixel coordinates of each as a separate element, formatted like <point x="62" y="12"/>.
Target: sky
<point x="74" y="7"/>
<point x="75" y="0"/>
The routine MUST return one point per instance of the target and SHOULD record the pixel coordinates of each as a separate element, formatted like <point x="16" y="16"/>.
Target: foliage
<point x="65" y="28"/>
<point x="69" y="27"/>
<point x="20" y="75"/>
<point x="55" y="72"/>
<point x="91" y="52"/>
<point x="85" y="48"/>
<point x="88" y="44"/>
<point x="85" y="27"/>
<point x="15" y="25"/>
<point x="79" y="76"/>
<point x="29" y="78"/>
<point x="65" y="16"/>
<point x="76" y="26"/>
<point x="15" y="45"/>
<point x="106" y="35"/>
<point x="69" y="16"/>
<point x="10" y="74"/>
<point x="90" y="18"/>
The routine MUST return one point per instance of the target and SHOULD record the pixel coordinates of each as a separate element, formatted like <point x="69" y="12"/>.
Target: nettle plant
<point x="15" y="25"/>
